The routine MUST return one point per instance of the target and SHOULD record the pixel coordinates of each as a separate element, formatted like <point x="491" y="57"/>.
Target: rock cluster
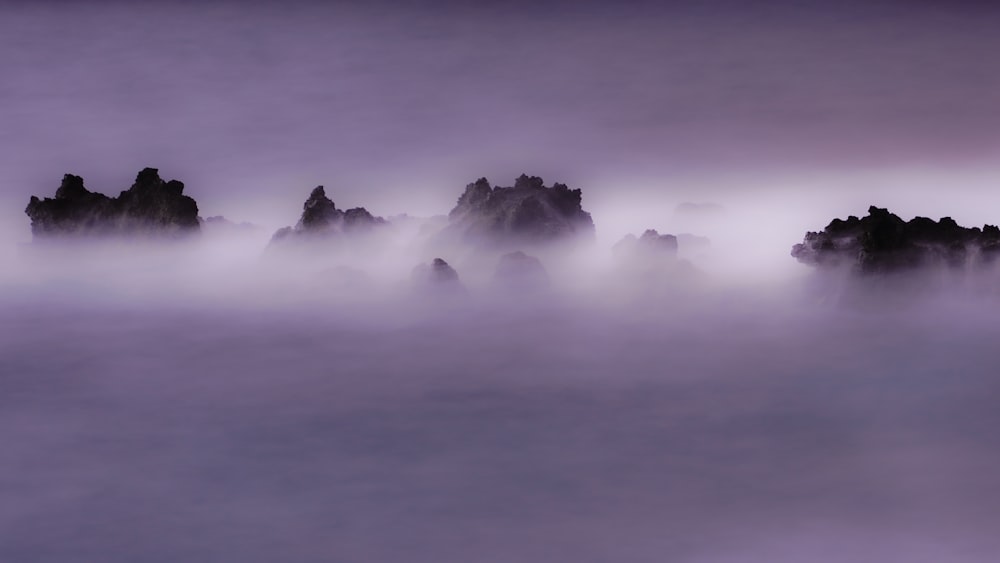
<point x="650" y="246"/>
<point x="150" y="206"/>
<point x="436" y="277"/>
<point x="320" y="217"/>
<point x="881" y="242"/>
<point x="527" y="212"/>
<point x="520" y="272"/>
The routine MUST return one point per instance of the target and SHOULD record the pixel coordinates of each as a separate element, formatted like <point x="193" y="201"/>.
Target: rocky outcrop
<point x="438" y="276"/>
<point x="528" y="212"/>
<point x="150" y="206"/>
<point x="520" y="272"/>
<point x="321" y="218"/>
<point x="648" y="265"/>
<point x="650" y="246"/>
<point x="881" y="242"/>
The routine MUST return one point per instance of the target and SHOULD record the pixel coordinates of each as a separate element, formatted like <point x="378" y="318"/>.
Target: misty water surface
<point x="145" y="419"/>
<point x="204" y="404"/>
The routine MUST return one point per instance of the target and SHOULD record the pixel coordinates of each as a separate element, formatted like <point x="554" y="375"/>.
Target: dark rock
<point x="648" y="265"/>
<point x="650" y="246"/>
<point x="150" y="207"/>
<point x="437" y="276"/>
<point x="528" y="212"/>
<point x="521" y="272"/>
<point x="881" y="242"/>
<point x="321" y="218"/>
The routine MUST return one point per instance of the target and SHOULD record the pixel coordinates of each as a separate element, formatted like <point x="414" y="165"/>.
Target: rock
<point x="150" y="207"/>
<point x="438" y="276"/>
<point x="521" y="272"/>
<point x="650" y="246"/>
<point x="651" y="261"/>
<point x="321" y="218"/>
<point x="528" y="212"/>
<point x="881" y="242"/>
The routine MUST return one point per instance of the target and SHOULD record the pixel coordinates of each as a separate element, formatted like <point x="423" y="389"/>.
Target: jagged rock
<point x="650" y="246"/>
<point x="436" y="276"/>
<point x="651" y="261"/>
<point x="149" y="207"/>
<point x="881" y="242"/>
<point x="320" y="217"/>
<point x="521" y="272"/>
<point x="528" y="212"/>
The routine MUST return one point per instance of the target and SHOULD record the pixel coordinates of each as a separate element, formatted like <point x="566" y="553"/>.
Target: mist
<point x="208" y="400"/>
<point x="224" y="398"/>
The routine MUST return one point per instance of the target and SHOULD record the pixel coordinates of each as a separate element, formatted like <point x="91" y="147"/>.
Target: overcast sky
<point x="415" y="99"/>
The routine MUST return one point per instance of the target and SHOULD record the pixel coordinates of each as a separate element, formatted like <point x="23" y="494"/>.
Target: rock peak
<point x="882" y="242"/>
<point x="150" y="207"/>
<point x="526" y="213"/>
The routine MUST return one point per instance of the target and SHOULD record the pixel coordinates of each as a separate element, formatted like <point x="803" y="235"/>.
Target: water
<point x="727" y="430"/>
<point x="203" y="405"/>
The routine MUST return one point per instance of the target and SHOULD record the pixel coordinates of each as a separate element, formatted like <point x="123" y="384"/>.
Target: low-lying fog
<point x="212" y="402"/>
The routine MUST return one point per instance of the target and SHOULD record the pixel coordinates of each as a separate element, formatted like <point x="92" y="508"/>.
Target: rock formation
<point x="438" y="276"/>
<point x="528" y="212"/>
<point x="521" y="272"/>
<point x="650" y="246"/>
<point x="881" y="242"/>
<point x="648" y="265"/>
<point x="320" y="217"/>
<point x="150" y="207"/>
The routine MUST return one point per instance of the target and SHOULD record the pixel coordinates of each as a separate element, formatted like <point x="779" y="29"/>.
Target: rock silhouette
<point x="521" y="272"/>
<point x="651" y="245"/>
<point x="881" y="242"/>
<point x="437" y="277"/>
<point x="150" y="206"/>
<point x="527" y="212"/>
<point x="320" y="218"/>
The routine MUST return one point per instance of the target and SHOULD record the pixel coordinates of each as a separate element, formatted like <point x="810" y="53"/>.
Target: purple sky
<point x="245" y="98"/>
<point x="395" y="106"/>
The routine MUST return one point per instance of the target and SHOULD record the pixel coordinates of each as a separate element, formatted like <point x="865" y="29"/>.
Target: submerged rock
<point x="527" y="212"/>
<point x="650" y="263"/>
<point x="881" y="242"/>
<point x="150" y="206"/>
<point x="321" y="218"/>
<point x="438" y="276"/>
<point x="521" y="272"/>
<point x="650" y="246"/>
